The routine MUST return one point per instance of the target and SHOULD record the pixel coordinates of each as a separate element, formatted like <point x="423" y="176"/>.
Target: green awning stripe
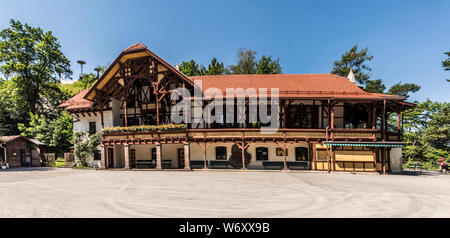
<point x="366" y="145"/>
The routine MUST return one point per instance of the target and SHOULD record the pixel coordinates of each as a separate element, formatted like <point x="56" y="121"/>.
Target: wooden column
<point x="243" y="147"/>
<point x="126" y="112"/>
<point x="284" y="147"/>
<point x="103" y="156"/>
<point x="333" y="159"/>
<point x="158" y="157"/>
<point x="374" y="117"/>
<point x="205" y="147"/>
<point x="383" y="121"/>
<point x="314" y="159"/>
<point x="375" y="159"/>
<point x="187" y="157"/>
<point x="101" y="116"/>
<point x="126" y="149"/>
<point x="285" y="108"/>
<point x="399" y="120"/>
<point x="383" y="159"/>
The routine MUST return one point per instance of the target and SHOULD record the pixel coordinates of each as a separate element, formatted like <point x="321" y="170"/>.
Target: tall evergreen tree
<point x="357" y="61"/>
<point x="266" y="65"/>
<point x="446" y="63"/>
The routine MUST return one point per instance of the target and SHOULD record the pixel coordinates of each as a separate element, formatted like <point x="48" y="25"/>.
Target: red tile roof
<point x="137" y="46"/>
<point x="306" y="86"/>
<point x="77" y="102"/>
<point x="293" y="85"/>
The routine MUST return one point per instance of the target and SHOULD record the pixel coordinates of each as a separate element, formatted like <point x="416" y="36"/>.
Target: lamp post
<point x="81" y="62"/>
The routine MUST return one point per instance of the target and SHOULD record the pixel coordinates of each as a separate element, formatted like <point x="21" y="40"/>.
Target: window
<point x="221" y="153"/>
<point x="262" y="153"/>
<point x="92" y="128"/>
<point x="301" y="154"/>
<point x="97" y="155"/>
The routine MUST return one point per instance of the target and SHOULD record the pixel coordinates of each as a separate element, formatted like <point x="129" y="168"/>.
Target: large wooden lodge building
<point x="326" y="122"/>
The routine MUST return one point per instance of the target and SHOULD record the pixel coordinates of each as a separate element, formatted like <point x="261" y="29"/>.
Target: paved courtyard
<point x="90" y="193"/>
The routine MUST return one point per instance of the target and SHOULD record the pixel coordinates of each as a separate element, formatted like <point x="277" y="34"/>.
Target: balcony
<point x="180" y="135"/>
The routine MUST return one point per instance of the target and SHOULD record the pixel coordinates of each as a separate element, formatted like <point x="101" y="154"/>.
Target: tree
<point x="446" y="63"/>
<point x="427" y="132"/>
<point x="215" y="68"/>
<point x="57" y="133"/>
<point x="86" y="81"/>
<point x="404" y="89"/>
<point x="33" y="59"/>
<point x="85" y="146"/>
<point x="191" y="68"/>
<point x="13" y="108"/>
<point x="375" y="86"/>
<point x="268" y="66"/>
<point x="247" y="63"/>
<point x="355" y="60"/>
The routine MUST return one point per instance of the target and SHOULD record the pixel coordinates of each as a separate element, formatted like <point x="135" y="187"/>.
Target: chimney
<point x="177" y="67"/>
<point x="351" y="76"/>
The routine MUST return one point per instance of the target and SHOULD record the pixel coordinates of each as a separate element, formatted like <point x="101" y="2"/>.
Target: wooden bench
<point x="167" y="164"/>
<point x="219" y="163"/>
<point x="298" y="165"/>
<point x="145" y="164"/>
<point x="198" y="164"/>
<point x="415" y="166"/>
<point x="273" y="164"/>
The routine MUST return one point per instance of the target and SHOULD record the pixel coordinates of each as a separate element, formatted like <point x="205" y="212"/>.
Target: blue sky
<point x="407" y="38"/>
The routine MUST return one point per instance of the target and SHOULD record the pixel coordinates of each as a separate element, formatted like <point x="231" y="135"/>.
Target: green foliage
<point x="32" y="59"/>
<point x="446" y="63"/>
<point x="85" y="146"/>
<point x="403" y="89"/>
<point x="266" y="65"/>
<point x="375" y="86"/>
<point x="86" y="81"/>
<point x="190" y="68"/>
<point x="427" y="130"/>
<point x="215" y="68"/>
<point x="247" y="64"/>
<point x="13" y="108"/>
<point x="355" y="60"/>
<point x="56" y="133"/>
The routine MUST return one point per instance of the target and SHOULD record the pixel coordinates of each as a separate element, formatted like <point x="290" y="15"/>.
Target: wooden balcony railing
<point x="235" y="134"/>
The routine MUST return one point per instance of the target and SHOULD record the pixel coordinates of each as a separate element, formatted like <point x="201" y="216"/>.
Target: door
<point x="132" y="158"/>
<point x="301" y="154"/>
<point x="180" y="158"/>
<point x="110" y="158"/>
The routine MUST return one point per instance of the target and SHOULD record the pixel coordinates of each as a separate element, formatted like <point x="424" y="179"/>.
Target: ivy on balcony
<point x="147" y="128"/>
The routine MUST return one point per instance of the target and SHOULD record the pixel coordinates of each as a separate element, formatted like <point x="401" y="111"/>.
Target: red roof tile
<point x="289" y="85"/>
<point x="77" y="102"/>
<point x="293" y="85"/>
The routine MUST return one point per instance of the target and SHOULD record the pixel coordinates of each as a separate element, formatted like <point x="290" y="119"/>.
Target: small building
<point x="21" y="151"/>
